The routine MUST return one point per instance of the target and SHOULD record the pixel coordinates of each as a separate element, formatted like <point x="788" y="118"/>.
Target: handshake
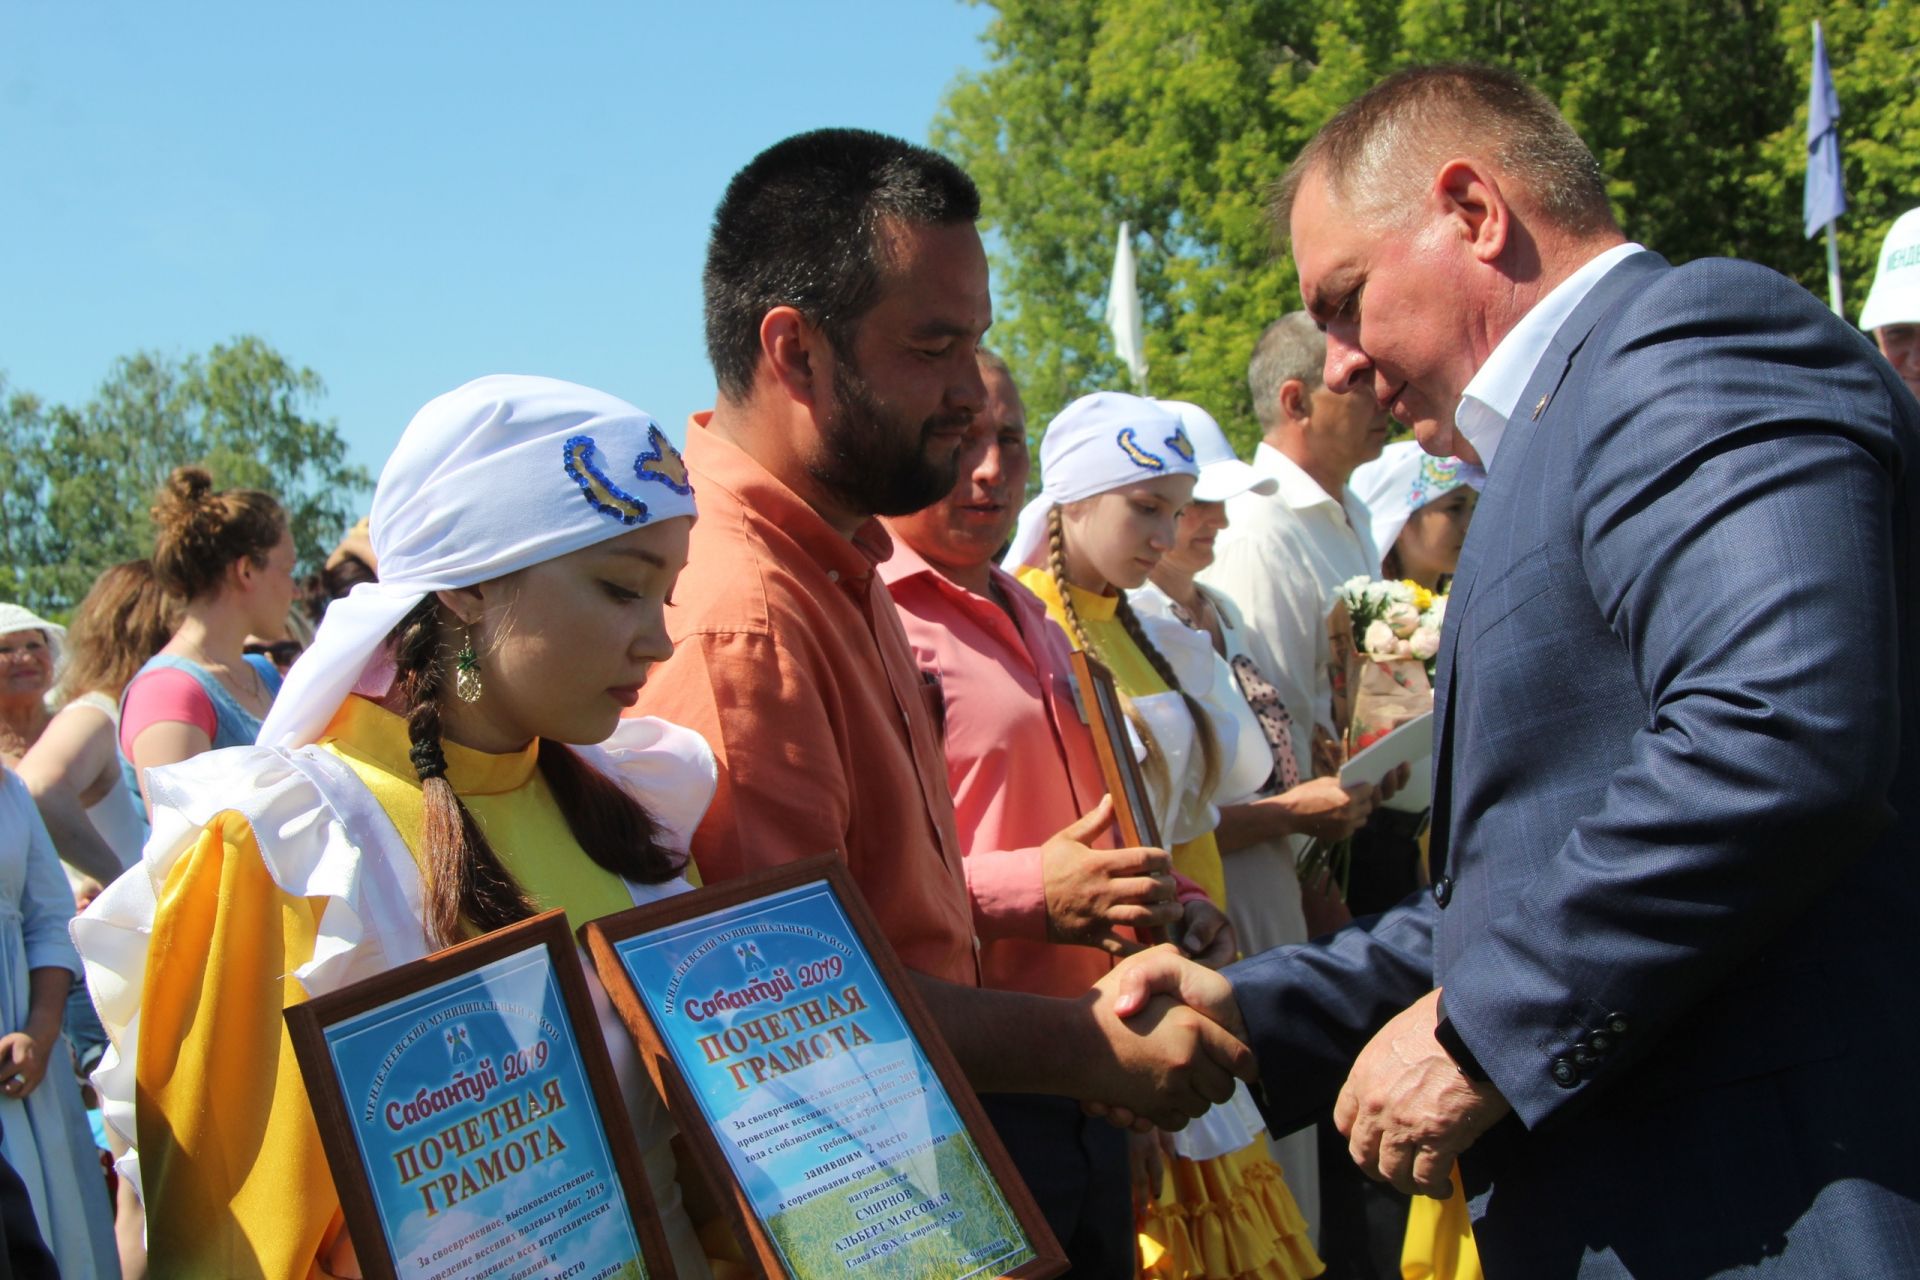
<point x="1174" y="1041"/>
<point x="1170" y="1042"/>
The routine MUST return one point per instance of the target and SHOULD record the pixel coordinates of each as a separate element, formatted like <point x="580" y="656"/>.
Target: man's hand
<point x="1205" y="934"/>
<point x="1408" y="1111"/>
<point x="1168" y="1062"/>
<point x="1093" y="893"/>
<point x="1163" y="971"/>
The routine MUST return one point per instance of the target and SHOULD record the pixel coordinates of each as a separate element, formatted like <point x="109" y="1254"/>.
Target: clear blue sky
<point x="406" y="195"/>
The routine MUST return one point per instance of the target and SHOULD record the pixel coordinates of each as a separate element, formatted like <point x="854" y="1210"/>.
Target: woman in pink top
<point x="228" y="557"/>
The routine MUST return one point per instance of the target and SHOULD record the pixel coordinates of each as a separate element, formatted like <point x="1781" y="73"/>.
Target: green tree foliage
<point x="77" y="485"/>
<point x="1178" y="117"/>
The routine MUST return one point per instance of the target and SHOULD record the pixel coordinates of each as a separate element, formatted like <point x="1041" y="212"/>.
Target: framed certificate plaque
<point x="807" y="1075"/>
<point x="1107" y="721"/>
<point x="471" y="1120"/>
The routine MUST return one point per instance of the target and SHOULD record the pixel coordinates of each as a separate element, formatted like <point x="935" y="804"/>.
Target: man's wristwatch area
<point x="1456" y="1047"/>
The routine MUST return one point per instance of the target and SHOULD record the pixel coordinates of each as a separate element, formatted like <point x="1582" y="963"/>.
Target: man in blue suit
<point x="1661" y="1002"/>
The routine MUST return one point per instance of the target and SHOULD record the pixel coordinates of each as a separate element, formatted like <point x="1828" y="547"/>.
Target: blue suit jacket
<point x="1677" y="803"/>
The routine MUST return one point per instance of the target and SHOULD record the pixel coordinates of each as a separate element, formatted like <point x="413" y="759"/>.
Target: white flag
<point x="1123" y="311"/>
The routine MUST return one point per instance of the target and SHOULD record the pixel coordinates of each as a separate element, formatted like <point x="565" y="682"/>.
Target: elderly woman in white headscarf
<point x="1421" y="507"/>
<point x="447" y="758"/>
<point x="31" y="649"/>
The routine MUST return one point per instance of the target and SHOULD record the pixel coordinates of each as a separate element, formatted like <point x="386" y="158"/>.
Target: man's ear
<point x="1296" y="404"/>
<point x="1468" y="196"/>
<point x="797" y="353"/>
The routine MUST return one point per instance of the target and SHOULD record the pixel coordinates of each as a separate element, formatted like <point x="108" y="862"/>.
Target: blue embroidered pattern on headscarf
<point x="1130" y="445"/>
<point x="601" y="492"/>
<point x="662" y="464"/>
<point x="1179" y="443"/>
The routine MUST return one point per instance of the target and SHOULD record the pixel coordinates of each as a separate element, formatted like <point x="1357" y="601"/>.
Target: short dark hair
<point x="800" y="227"/>
<point x="1429" y="109"/>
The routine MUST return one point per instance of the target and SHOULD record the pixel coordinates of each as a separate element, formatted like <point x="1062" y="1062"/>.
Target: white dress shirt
<point x="1493" y="396"/>
<point x="1280" y="561"/>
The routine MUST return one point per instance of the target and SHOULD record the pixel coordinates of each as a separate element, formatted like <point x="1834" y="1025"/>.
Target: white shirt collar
<point x="1493" y="395"/>
<point x="1302" y="493"/>
<point x="1297" y="489"/>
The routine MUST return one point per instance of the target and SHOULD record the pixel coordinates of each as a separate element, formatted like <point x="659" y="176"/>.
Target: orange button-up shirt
<point x="790" y="660"/>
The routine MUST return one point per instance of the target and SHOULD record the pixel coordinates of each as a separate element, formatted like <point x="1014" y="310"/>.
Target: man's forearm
<point x="1011" y="1041"/>
<point x="1311" y="1007"/>
<point x="1171" y="1055"/>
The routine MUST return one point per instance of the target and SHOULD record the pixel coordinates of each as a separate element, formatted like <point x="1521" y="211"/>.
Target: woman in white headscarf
<point x="1116" y="471"/>
<point x="1421" y="506"/>
<point x="446" y="758"/>
<point x="31" y="650"/>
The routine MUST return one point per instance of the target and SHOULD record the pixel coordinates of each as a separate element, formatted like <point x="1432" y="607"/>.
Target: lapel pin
<point x="1542" y="406"/>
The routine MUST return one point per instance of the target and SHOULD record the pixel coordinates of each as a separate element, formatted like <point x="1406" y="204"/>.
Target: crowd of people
<point x="1657" y="866"/>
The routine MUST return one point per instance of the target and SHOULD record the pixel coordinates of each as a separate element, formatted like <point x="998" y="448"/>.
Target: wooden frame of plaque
<point x="896" y="1197"/>
<point x="309" y="1025"/>
<point x="1100" y="703"/>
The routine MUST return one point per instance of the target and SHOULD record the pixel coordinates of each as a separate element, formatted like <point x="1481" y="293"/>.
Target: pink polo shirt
<point x="1020" y="762"/>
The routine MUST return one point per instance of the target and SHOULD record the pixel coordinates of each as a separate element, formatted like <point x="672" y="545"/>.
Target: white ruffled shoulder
<point x="666" y="767"/>
<point x="301" y="806"/>
<point x="306" y="850"/>
<point x="1246" y="761"/>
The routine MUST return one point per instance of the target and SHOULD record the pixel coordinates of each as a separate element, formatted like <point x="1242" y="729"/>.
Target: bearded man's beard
<point x="873" y="461"/>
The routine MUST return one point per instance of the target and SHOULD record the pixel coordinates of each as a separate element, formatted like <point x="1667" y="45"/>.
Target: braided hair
<point x="467" y="886"/>
<point x="1130" y="621"/>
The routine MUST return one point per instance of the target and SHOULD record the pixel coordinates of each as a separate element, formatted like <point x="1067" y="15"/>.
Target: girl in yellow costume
<point x="426" y="775"/>
<point x="1116" y="471"/>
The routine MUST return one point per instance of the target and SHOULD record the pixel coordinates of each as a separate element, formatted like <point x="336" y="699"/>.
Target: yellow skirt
<point x="1439" y="1244"/>
<point x="1229" y="1218"/>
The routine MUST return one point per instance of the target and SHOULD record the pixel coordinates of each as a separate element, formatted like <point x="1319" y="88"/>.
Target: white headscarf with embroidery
<point x="1403" y="479"/>
<point x="1098" y="443"/>
<point x="505" y="472"/>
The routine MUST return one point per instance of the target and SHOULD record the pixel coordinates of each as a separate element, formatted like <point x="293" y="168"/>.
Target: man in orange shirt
<point x="846" y="298"/>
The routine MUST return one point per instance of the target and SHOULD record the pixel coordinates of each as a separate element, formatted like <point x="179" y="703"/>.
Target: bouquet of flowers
<point x="1394" y="620"/>
<point x="1385" y="641"/>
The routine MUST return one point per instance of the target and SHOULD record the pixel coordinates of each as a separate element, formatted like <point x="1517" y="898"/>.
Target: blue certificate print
<point x="479" y="1134"/>
<point x="830" y="1115"/>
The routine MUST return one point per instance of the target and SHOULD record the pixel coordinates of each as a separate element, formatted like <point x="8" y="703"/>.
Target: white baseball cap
<point x="1895" y="296"/>
<point x="1222" y="474"/>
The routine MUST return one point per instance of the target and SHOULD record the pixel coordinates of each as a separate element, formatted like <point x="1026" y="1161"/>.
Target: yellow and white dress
<point x="1220" y="1214"/>
<point x="273" y="876"/>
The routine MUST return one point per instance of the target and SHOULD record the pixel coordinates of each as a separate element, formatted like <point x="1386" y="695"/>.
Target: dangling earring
<point x="466" y="680"/>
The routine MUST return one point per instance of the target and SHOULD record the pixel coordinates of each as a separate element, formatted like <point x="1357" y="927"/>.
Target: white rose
<point x="1381" y="642"/>
<point x="1425" y="643"/>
